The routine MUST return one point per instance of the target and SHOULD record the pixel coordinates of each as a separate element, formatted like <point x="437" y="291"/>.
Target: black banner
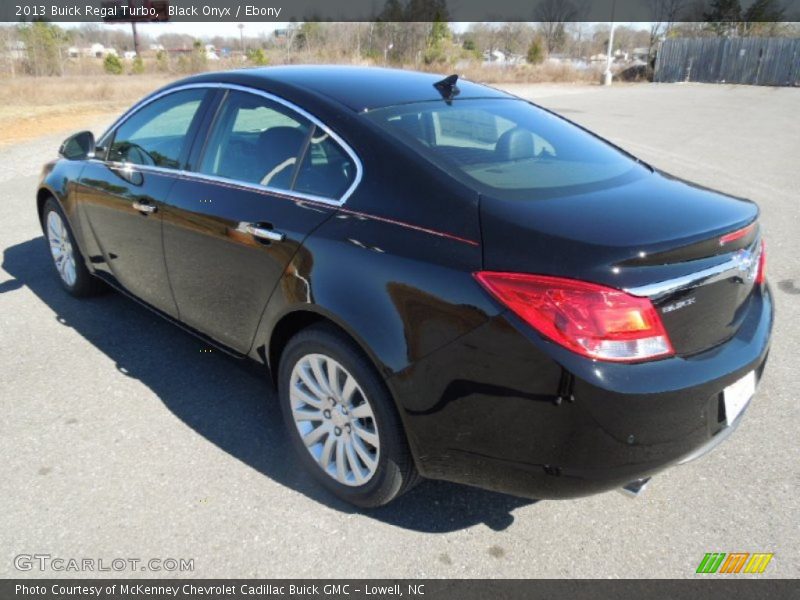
<point x="706" y="587"/>
<point x="398" y="10"/>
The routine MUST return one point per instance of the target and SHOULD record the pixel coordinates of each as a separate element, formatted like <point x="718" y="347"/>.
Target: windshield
<point x="507" y="147"/>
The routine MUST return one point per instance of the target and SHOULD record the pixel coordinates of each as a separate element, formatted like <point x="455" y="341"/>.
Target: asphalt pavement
<point x="120" y="438"/>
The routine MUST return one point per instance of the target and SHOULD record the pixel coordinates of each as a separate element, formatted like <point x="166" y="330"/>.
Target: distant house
<point x="95" y="51"/>
<point x="498" y="57"/>
<point x="211" y="52"/>
<point x="15" y="50"/>
<point x="494" y="56"/>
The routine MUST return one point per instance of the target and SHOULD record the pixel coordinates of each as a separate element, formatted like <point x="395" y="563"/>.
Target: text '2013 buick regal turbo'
<point x="442" y="280"/>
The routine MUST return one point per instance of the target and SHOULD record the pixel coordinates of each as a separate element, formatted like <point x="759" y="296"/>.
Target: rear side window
<point x="256" y="140"/>
<point x="326" y="169"/>
<point x="505" y="147"/>
<point x="156" y="134"/>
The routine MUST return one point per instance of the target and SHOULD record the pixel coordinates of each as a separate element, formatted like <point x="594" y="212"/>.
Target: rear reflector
<point x="736" y="235"/>
<point x="593" y="320"/>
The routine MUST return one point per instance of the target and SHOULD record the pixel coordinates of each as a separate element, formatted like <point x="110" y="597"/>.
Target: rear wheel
<point x="342" y="420"/>
<point x="67" y="258"/>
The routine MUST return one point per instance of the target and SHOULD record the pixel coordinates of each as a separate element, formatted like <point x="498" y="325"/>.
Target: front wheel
<point x="67" y="259"/>
<point x="342" y="420"/>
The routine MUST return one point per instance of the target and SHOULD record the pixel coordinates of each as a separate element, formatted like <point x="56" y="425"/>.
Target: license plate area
<point x="736" y="396"/>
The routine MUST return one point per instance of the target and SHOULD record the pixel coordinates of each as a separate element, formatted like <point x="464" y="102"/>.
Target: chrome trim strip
<point x="181" y="174"/>
<point x="706" y="276"/>
<point x="293" y="107"/>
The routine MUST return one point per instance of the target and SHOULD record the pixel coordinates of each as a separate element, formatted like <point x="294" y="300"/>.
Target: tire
<point x="67" y="259"/>
<point x="359" y="419"/>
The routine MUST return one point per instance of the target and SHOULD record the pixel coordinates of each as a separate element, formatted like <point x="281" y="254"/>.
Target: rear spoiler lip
<point x="745" y="260"/>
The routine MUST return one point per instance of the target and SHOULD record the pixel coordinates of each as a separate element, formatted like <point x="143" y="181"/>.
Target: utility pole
<point x="607" y="76"/>
<point x="135" y="38"/>
<point x="241" y="36"/>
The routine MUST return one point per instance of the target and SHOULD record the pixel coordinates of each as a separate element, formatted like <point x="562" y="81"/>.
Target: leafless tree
<point x="552" y="16"/>
<point x="664" y="14"/>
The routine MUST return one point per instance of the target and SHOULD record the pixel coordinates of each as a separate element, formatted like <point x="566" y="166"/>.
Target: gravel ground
<point x="120" y="438"/>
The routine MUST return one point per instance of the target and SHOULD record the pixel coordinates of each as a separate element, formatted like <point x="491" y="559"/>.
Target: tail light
<point x="761" y="276"/>
<point x="737" y="235"/>
<point x="593" y="320"/>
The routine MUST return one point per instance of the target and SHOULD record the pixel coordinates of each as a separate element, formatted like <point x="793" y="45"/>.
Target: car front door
<point x="266" y="178"/>
<point x="121" y="193"/>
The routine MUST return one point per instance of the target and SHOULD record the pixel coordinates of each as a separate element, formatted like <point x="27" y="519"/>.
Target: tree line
<point x="410" y="33"/>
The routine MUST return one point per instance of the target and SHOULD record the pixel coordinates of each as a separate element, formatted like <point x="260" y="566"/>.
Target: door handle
<point x="144" y="207"/>
<point x="264" y="233"/>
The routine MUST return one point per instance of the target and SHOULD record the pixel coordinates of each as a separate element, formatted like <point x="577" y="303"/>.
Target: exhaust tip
<point x="634" y="488"/>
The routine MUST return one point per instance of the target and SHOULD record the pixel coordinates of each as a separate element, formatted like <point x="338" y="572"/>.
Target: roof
<point x="358" y="88"/>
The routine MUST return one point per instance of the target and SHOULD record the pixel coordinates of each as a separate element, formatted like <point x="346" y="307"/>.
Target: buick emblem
<point x="746" y="264"/>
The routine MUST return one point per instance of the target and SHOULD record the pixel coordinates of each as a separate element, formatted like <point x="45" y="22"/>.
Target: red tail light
<point x="736" y="235"/>
<point x="761" y="276"/>
<point x="592" y="320"/>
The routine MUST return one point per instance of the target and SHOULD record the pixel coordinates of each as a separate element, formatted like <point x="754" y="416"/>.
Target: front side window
<point x="259" y="141"/>
<point x="156" y="134"/>
<point x="505" y="147"/>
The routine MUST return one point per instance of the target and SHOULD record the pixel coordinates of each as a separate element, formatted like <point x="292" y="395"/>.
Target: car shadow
<point x="230" y="402"/>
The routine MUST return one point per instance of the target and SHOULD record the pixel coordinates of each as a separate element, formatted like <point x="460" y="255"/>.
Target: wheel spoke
<point x="311" y="383"/>
<point x="367" y="436"/>
<point x="341" y="473"/>
<point x="327" y="450"/>
<point x="301" y="414"/>
<point x="319" y="375"/>
<point x="52" y="226"/>
<point x="332" y="377"/>
<point x="352" y="461"/>
<point x="70" y="271"/>
<point x="362" y="411"/>
<point x="315" y="435"/>
<point x="300" y="395"/>
<point x="369" y="461"/>
<point x="349" y="387"/>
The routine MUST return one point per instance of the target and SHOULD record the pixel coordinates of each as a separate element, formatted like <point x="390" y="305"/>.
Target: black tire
<point x="85" y="284"/>
<point x="395" y="473"/>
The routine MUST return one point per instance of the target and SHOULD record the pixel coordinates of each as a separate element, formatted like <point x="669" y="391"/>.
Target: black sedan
<point x="442" y="280"/>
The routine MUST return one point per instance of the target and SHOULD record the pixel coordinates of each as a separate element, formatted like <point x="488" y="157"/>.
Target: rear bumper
<point x="503" y="409"/>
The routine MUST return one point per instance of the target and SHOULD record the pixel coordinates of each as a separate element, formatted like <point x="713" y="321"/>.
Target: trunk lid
<point x="655" y="236"/>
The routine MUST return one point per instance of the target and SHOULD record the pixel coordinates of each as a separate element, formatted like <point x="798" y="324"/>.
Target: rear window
<point x="507" y="147"/>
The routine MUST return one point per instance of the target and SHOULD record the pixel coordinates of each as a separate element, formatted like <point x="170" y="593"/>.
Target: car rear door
<point x="121" y="192"/>
<point x="264" y="179"/>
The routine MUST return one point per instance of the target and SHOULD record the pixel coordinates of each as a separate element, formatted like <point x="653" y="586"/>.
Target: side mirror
<point x="78" y="146"/>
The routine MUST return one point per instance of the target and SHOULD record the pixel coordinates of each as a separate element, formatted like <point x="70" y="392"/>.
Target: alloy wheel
<point x="335" y="419"/>
<point x="61" y="248"/>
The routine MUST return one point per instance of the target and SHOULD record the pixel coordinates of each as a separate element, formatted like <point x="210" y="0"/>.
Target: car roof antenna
<point x="447" y="88"/>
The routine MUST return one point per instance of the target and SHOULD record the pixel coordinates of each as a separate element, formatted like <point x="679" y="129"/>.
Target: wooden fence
<point x="753" y="61"/>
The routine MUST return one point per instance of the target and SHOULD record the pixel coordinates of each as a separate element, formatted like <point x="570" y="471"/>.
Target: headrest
<point x="283" y="140"/>
<point x="515" y="144"/>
